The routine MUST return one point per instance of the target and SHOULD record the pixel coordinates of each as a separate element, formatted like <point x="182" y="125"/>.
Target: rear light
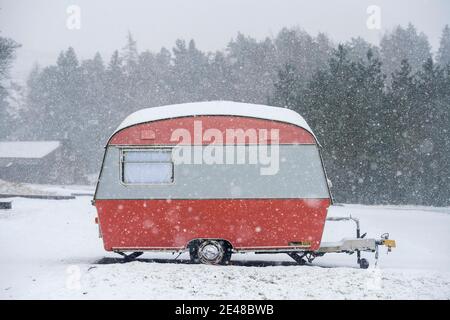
<point x="96" y="220"/>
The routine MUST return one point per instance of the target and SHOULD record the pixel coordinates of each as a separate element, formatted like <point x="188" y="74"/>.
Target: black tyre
<point x="363" y="263"/>
<point x="228" y="252"/>
<point x="193" y="252"/>
<point x="210" y="252"/>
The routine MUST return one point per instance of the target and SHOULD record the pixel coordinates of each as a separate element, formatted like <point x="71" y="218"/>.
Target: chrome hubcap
<point x="210" y="252"/>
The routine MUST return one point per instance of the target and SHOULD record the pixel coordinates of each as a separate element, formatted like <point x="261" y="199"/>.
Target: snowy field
<point x="50" y="250"/>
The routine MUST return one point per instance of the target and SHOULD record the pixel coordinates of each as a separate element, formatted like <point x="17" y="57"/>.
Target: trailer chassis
<point x="347" y="245"/>
<point x="302" y="256"/>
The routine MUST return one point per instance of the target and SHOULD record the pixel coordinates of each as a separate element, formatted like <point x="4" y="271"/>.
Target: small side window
<point x="147" y="166"/>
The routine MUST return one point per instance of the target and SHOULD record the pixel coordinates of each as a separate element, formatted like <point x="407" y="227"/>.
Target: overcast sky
<point x="40" y="25"/>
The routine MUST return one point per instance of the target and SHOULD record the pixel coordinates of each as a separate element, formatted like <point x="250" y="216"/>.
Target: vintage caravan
<point x="214" y="178"/>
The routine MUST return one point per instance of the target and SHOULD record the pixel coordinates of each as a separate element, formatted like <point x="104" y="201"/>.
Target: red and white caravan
<point x="216" y="178"/>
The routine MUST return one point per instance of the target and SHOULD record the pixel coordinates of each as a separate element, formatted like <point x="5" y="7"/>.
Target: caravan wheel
<point x="210" y="252"/>
<point x="364" y="263"/>
<point x="213" y="252"/>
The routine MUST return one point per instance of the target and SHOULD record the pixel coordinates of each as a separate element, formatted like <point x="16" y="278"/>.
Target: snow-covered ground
<point x="49" y="249"/>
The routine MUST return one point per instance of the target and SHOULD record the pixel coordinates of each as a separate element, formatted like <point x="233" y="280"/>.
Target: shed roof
<point x="27" y="149"/>
<point x="214" y="108"/>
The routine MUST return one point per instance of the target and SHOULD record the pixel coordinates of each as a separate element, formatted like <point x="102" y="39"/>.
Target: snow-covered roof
<point x="214" y="108"/>
<point x="27" y="149"/>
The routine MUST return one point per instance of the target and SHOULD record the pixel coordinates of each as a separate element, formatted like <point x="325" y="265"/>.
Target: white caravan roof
<point x="214" y="108"/>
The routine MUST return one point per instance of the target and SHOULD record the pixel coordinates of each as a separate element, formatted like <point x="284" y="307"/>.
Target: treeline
<point x="384" y="142"/>
<point x="381" y="112"/>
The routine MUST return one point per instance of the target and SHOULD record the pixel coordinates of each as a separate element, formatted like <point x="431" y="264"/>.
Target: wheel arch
<point x="195" y="241"/>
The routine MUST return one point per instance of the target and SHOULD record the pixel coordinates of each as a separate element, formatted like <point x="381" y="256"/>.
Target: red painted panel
<point x="246" y="223"/>
<point x="162" y="129"/>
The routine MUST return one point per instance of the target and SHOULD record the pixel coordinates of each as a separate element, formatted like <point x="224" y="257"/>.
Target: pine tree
<point x="130" y="54"/>
<point x="220" y="78"/>
<point x="146" y="91"/>
<point x="434" y="98"/>
<point x="165" y="90"/>
<point x="358" y="48"/>
<point x="115" y="91"/>
<point x="8" y="48"/>
<point x="302" y="51"/>
<point x="402" y="118"/>
<point x="130" y="57"/>
<point x="93" y="110"/>
<point x="288" y="87"/>
<point x="190" y="72"/>
<point x="253" y="68"/>
<point x="443" y="55"/>
<point x="404" y="44"/>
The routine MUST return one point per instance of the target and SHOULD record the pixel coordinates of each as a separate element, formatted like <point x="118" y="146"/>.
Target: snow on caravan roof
<point x="215" y="108"/>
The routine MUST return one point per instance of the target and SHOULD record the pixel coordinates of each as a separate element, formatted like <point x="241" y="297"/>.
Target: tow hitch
<point x="351" y="245"/>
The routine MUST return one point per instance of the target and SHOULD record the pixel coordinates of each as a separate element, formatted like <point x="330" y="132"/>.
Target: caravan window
<point x="147" y="166"/>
